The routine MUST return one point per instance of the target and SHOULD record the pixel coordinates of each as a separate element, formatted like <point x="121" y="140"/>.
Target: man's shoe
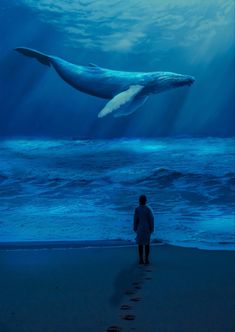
<point x="141" y="261"/>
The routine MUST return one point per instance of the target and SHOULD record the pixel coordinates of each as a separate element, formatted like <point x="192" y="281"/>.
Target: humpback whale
<point x="126" y="91"/>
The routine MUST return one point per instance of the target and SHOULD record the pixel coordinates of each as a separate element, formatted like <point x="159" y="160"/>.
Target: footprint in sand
<point x="138" y="287"/>
<point x="129" y="292"/>
<point x="136" y="299"/>
<point x="128" y="317"/>
<point x="114" y="329"/>
<point x="125" y="307"/>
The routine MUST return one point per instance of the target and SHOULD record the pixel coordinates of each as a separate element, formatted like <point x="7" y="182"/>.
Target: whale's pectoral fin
<point x="122" y="102"/>
<point x="138" y="101"/>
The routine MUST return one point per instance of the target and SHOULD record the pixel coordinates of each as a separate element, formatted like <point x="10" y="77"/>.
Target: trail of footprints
<point x="126" y="310"/>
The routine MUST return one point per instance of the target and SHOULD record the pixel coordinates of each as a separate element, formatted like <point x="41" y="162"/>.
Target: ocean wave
<point x="88" y="190"/>
<point x="3" y="177"/>
<point x="162" y="178"/>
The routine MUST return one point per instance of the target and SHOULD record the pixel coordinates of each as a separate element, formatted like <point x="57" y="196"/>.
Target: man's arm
<point x="136" y="221"/>
<point x="151" y="221"/>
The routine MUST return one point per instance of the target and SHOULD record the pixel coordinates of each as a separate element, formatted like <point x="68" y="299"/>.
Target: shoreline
<point x="73" y="244"/>
<point x="70" y="244"/>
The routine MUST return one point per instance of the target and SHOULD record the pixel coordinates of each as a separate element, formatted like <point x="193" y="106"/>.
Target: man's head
<point x="142" y="199"/>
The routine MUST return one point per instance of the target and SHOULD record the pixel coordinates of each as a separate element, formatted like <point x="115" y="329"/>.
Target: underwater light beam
<point x="127" y="91"/>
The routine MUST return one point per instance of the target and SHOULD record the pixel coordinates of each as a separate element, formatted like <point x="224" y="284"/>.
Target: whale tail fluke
<point x="42" y="58"/>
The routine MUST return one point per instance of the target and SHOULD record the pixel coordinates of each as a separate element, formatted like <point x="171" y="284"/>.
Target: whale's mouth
<point x="190" y="81"/>
<point x="184" y="80"/>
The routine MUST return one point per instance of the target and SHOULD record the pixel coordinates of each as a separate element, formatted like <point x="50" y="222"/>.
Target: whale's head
<point x="161" y="81"/>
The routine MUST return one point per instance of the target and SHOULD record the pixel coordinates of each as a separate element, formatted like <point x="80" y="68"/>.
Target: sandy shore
<point x="92" y="289"/>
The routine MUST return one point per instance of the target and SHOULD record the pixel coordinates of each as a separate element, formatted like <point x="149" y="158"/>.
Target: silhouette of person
<point x="144" y="226"/>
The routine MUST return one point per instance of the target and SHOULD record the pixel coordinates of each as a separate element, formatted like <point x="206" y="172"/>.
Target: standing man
<point x="144" y="227"/>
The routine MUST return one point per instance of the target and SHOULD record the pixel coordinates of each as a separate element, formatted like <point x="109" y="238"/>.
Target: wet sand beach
<point x="104" y="289"/>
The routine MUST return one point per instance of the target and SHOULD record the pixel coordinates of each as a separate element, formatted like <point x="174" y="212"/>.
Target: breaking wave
<point x="87" y="190"/>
